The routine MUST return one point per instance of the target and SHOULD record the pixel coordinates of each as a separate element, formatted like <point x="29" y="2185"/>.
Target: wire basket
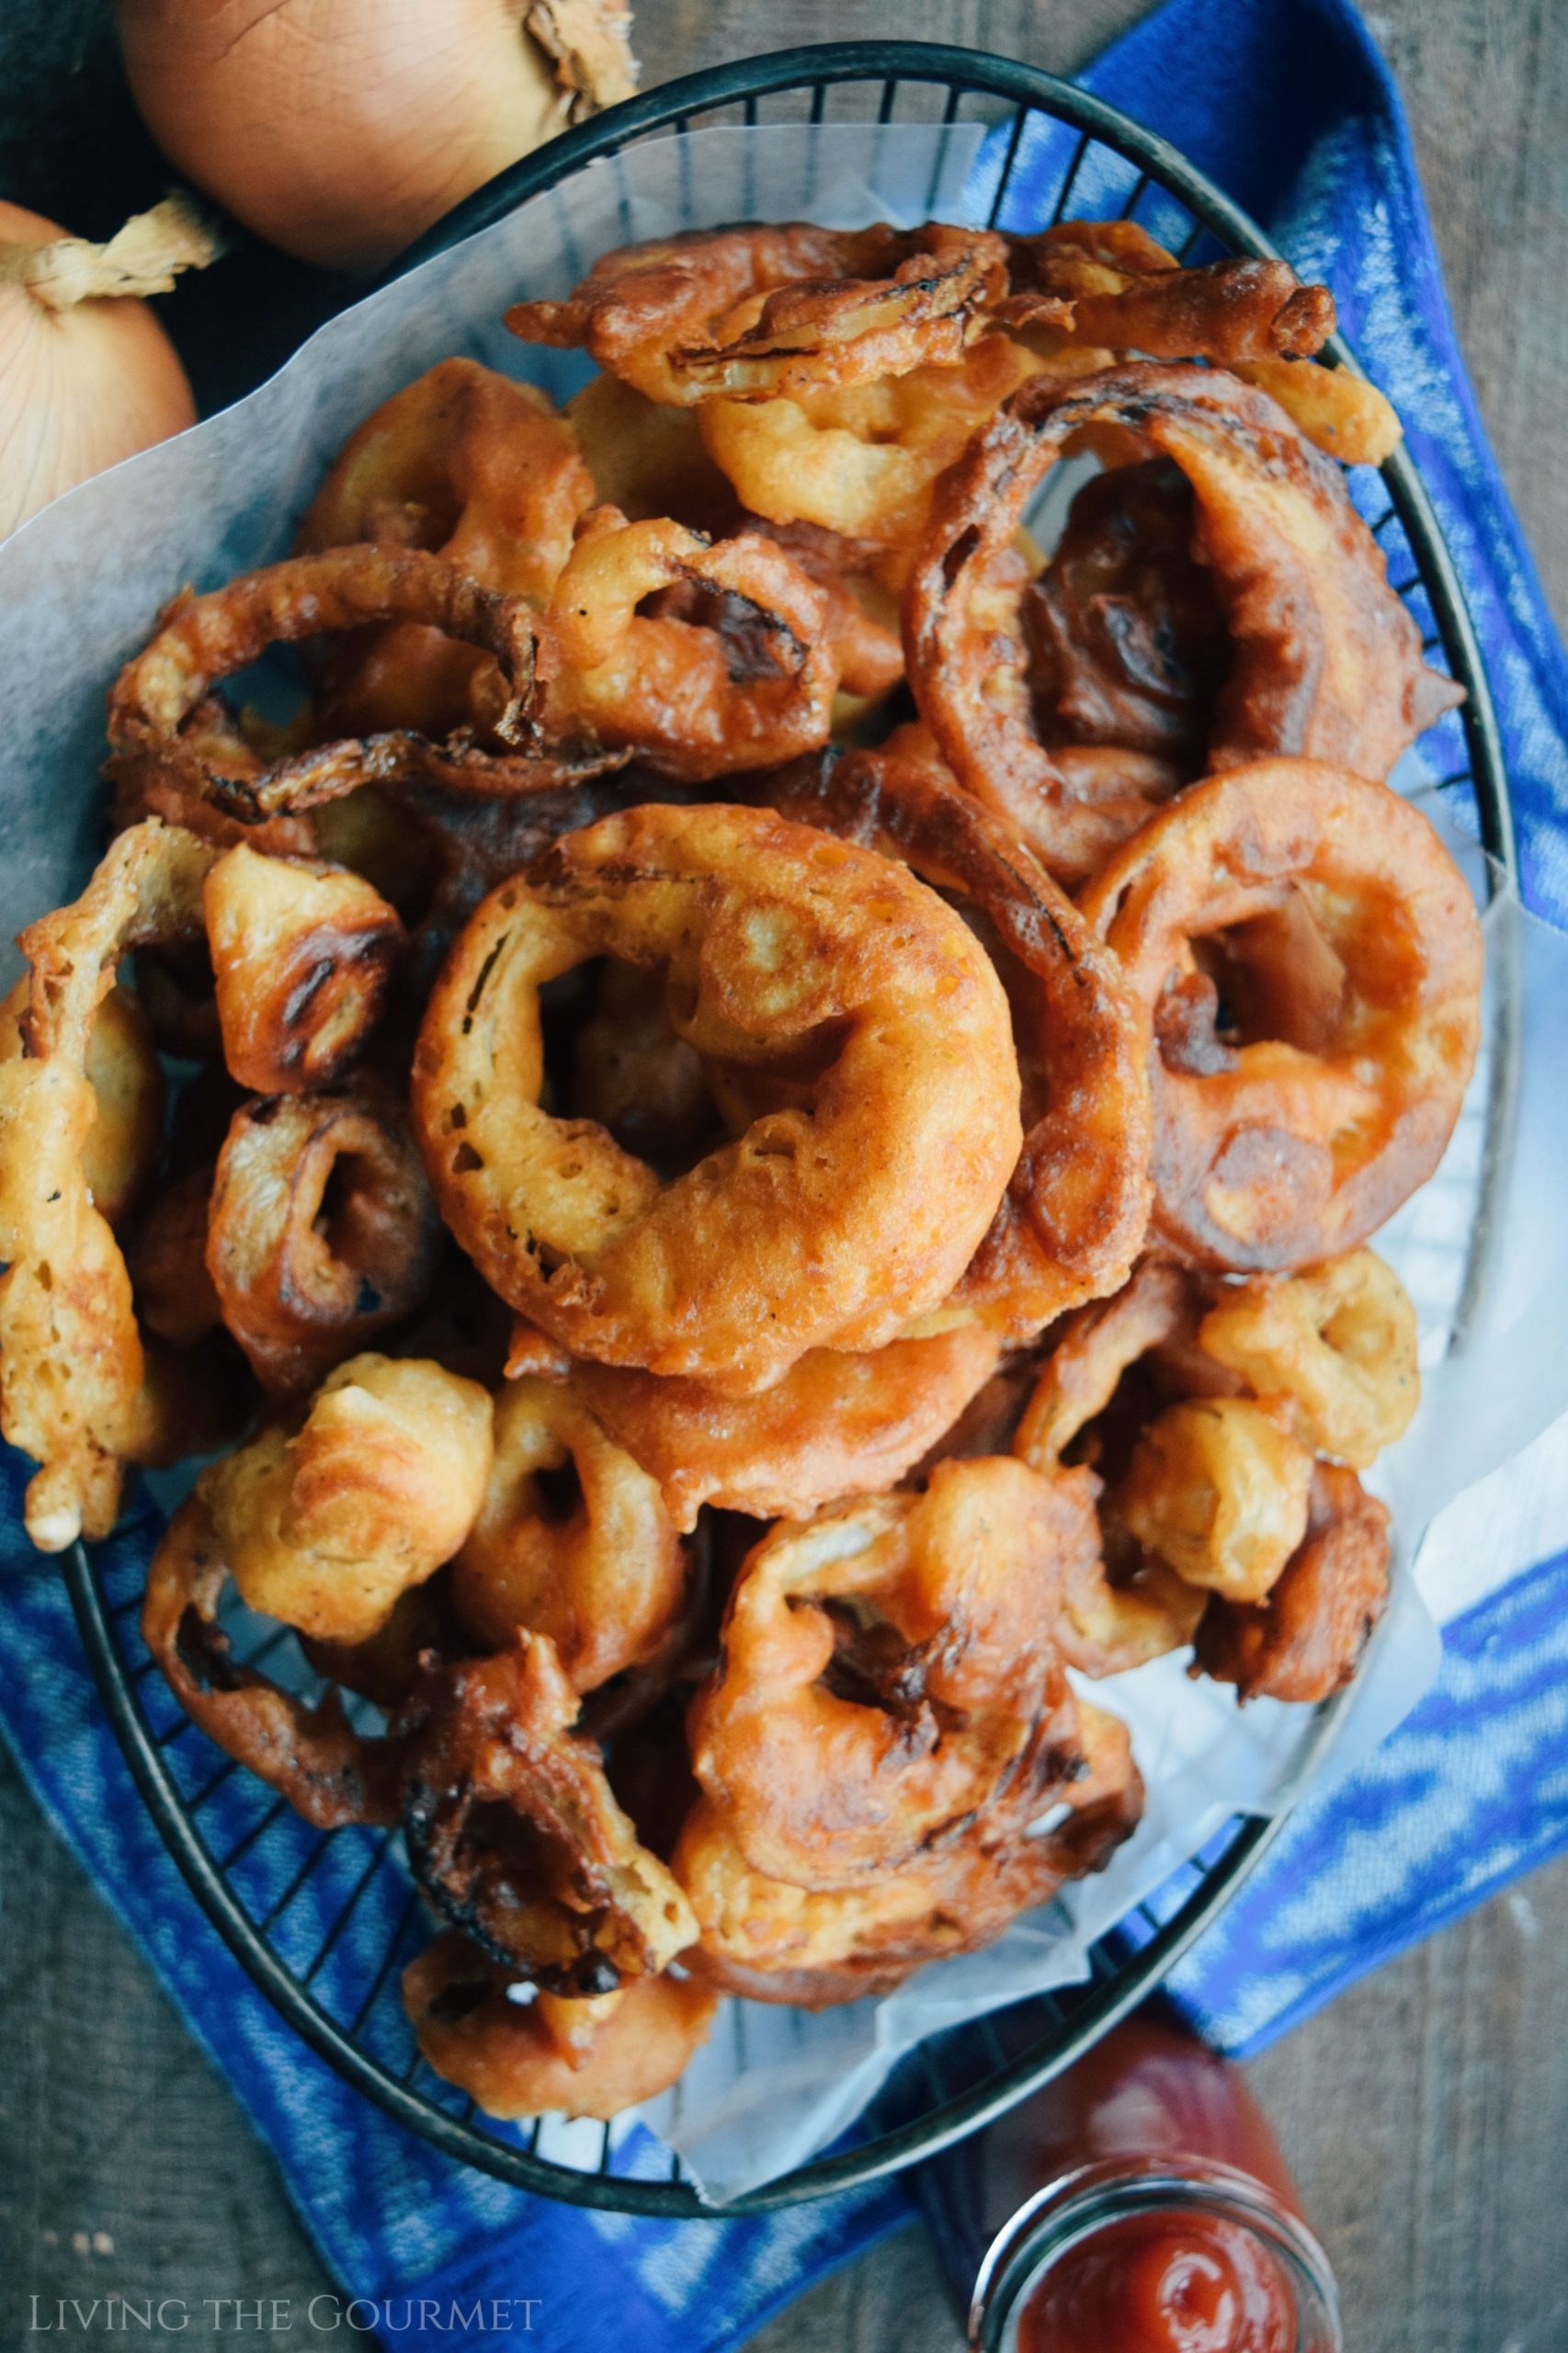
<point x="323" y="1921"/>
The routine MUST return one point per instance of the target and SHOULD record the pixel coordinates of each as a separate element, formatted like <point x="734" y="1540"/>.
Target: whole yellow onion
<point x="87" y="375"/>
<point x="340" y="129"/>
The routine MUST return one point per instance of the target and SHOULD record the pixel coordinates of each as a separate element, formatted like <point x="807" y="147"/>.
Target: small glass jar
<point x="1137" y="2203"/>
<point x="1155" y="2255"/>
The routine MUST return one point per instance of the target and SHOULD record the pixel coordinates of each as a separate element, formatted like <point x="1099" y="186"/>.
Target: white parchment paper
<point x="1484" y="1248"/>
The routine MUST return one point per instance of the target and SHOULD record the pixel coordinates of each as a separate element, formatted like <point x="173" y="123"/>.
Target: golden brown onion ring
<point x="835" y="1425"/>
<point x="1337" y="1341"/>
<point x="763" y="310"/>
<point x="591" y="2057"/>
<point x="159" y="761"/>
<point x="330" y="1773"/>
<point x="561" y="1893"/>
<point x="1326" y="662"/>
<point x="71" y="1361"/>
<point x="484" y="473"/>
<point x="861" y="459"/>
<point x="302" y="958"/>
<point x="1306" y="1640"/>
<point x="771" y="935"/>
<point x="1077" y="1202"/>
<point x="1128" y="293"/>
<point x="1217" y="1490"/>
<point x="571" y="1540"/>
<point x="888" y="1669"/>
<point x="694" y="701"/>
<point x="322" y="1233"/>
<point x="774" y="1942"/>
<point x="119" y="1154"/>
<point x="327" y="1528"/>
<point x="1295" y="1142"/>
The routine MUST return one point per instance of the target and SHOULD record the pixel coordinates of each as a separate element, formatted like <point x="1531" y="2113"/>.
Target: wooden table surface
<point x="1425" y="2112"/>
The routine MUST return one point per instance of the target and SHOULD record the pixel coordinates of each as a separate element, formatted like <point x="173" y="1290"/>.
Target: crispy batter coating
<point x="484" y="473"/>
<point x="1217" y="1489"/>
<point x="761" y="310"/>
<point x="1295" y="1114"/>
<point x="302" y="958"/>
<point x="1124" y="292"/>
<point x="772" y="935"/>
<point x="330" y="1773"/>
<point x="590" y="2057"/>
<point x="71" y="1361"/>
<point x="1325" y="662"/>
<point x="649" y="460"/>
<point x="835" y="1425"/>
<point x="775" y="1942"/>
<point x="1337" y="1341"/>
<point x="572" y="1539"/>
<point x="1306" y="1640"/>
<point x="694" y="701"/>
<point x="328" y="1528"/>
<point x="119" y="1152"/>
<point x="321" y="1232"/>
<point x="514" y="1833"/>
<point x="1109" y="1623"/>
<point x="890" y="1669"/>
<point x="1077" y="1202"/>
<point x="863" y="458"/>
<point x="171" y="756"/>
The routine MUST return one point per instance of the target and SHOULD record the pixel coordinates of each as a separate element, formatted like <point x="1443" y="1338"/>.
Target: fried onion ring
<point x="1307" y="1640"/>
<point x="835" y="1425"/>
<point x="1338" y="1342"/>
<point x="771" y="935"/>
<point x="1294" y="1143"/>
<point x="1217" y="1489"/>
<point x="322" y="1233"/>
<point x="594" y="2057"/>
<point x="695" y="702"/>
<point x="328" y="1529"/>
<point x="1127" y="293"/>
<point x="482" y="472"/>
<point x="1325" y="662"/>
<point x="119" y="1152"/>
<point x="1077" y="1202"/>
<point x="167" y="756"/>
<point x="71" y="1361"/>
<point x="1108" y="1625"/>
<point x="514" y="1833"/>
<point x="572" y="1539"/>
<point x="888" y="1669"/>
<point x="762" y="310"/>
<point x="329" y="1773"/>
<point x="863" y="459"/>
<point x="774" y="1942"/>
<point x="302" y="958"/>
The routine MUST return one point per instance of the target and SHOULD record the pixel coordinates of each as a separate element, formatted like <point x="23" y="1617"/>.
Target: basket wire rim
<point x="963" y="71"/>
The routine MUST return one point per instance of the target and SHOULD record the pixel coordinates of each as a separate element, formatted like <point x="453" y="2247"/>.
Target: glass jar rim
<point x="1073" y="2207"/>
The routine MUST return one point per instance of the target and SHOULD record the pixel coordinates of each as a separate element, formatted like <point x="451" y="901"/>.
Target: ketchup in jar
<point x="1138" y="2204"/>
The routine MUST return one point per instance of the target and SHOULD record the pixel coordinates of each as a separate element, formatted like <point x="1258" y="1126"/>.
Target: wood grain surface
<point x="1425" y="2112"/>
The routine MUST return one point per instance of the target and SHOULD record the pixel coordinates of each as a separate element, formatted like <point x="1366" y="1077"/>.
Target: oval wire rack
<point x="323" y="1921"/>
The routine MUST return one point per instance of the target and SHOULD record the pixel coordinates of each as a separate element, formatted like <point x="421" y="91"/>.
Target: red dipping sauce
<point x="1163" y="2283"/>
<point x="1138" y="2204"/>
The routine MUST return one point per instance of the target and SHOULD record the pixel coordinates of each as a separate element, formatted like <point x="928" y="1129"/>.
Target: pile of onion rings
<point x="790" y="1091"/>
